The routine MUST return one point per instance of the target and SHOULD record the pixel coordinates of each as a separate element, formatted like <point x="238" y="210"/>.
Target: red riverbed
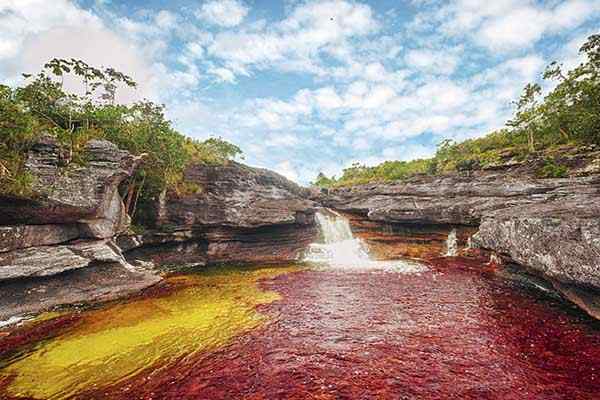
<point x="449" y="333"/>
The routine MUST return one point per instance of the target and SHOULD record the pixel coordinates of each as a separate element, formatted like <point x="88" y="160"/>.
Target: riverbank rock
<point x="51" y="242"/>
<point x="235" y="214"/>
<point x="84" y="194"/>
<point x="548" y="227"/>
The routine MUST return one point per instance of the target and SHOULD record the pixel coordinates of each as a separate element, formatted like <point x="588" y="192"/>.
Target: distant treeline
<point x="570" y="114"/>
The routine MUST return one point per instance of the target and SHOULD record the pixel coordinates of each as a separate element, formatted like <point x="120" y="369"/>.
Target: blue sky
<point x="309" y="86"/>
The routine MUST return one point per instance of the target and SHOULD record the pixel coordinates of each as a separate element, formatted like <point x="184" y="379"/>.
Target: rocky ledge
<point x="71" y="242"/>
<point x="547" y="227"/>
<point x="57" y="247"/>
<point x="237" y="214"/>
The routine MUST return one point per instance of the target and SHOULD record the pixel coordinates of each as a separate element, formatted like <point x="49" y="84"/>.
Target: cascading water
<point x="452" y="244"/>
<point x="339" y="248"/>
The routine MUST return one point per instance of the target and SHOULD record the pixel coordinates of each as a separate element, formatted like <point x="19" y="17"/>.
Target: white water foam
<point x="339" y="249"/>
<point x="451" y="244"/>
<point x="12" y="321"/>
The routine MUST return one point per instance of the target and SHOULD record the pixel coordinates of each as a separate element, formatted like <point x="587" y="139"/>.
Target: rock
<point x="549" y="227"/>
<point x="113" y="220"/>
<point x="461" y="200"/>
<point x="57" y="247"/>
<point x="97" y="282"/>
<point x="23" y="236"/>
<point x="39" y="261"/>
<point x="391" y="240"/>
<point x="275" y="244"/>
<point x="76" y="193"/>
<point x="238" y="214"/>
<point x="239" y="196"/>
<point x="52" y="260"/>
<point x="559" y="241"/>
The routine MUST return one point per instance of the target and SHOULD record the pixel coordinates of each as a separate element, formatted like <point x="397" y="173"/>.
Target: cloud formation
<point x="312" y="85"/>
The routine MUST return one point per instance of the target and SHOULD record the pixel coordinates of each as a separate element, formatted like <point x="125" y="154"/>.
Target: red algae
<point x="454" y="332"/>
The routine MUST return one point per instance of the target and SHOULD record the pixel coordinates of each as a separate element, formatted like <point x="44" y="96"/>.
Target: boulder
<point x="236" y="214"/>
<point x="51" y="260"/>
<point x="86" y="194"/>
<point x="22" y="236"/>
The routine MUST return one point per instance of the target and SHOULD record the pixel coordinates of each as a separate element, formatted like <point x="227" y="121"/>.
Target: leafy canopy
<point x="43" y="106"/>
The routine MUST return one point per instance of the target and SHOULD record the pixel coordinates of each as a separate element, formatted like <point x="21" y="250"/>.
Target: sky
<point x="310" y="86"/>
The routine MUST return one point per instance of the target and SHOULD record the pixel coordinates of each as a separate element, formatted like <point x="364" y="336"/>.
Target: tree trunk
<point x="129" y="195"/>
<point x="531" y="142"/>
<point x="137" y="196"/>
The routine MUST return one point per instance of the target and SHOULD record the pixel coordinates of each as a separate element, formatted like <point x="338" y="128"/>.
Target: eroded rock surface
<point x="73" y="193"/>
<point x="237" y="214"/>
<point x="48" y="242"/>
<point x="550" y="227"/>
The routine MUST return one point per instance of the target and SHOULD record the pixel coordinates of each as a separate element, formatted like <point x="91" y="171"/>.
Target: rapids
<point x="340" y="326"/>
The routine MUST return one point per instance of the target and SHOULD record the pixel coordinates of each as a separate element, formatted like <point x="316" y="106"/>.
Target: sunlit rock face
<point x="236" y="214"/>
<point x="58" y="247"/>
<point x="82" y="194"/>
<point x="547" y="226"/>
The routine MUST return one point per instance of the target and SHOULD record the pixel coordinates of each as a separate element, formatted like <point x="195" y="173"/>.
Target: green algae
<point x="204" y="312"/>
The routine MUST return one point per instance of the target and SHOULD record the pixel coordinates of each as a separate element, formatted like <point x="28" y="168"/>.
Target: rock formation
<point x="237" y="214"/>
<point x="66" y="227"/>
<point x="549" y="227"/>
<point x="65" y="244"/>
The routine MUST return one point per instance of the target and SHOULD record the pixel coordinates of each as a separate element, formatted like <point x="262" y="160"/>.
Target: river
<point x="340" y="326"/>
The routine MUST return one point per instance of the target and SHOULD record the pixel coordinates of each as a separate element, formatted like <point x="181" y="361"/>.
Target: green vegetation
<point x="44" y="107"/>
<point x="552" y="170"/>
<point x="569" y="114"/>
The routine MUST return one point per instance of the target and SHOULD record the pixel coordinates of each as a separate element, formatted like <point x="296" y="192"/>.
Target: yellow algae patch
<point x="110" y="344"/>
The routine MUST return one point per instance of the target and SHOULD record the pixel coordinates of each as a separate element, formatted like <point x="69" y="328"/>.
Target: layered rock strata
<point x="548" y="227"/>
<point x="57" y="247"/>
<point x="236" y="214"/>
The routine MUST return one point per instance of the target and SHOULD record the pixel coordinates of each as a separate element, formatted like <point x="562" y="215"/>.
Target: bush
<point x="44" y="106"/>
<point x="552" y="170"/>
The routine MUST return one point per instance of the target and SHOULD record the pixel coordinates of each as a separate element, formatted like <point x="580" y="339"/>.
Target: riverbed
<point x="450" y="330"/>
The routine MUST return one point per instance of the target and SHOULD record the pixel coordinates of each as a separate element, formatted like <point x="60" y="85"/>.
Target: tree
<point x="528" y="114"/>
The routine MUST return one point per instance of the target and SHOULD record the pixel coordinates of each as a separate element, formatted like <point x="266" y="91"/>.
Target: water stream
<point x="339" y="249"/>
<point x="343" y="327"/>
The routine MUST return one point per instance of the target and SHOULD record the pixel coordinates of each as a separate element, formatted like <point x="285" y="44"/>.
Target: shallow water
<point x="450" y="331"/>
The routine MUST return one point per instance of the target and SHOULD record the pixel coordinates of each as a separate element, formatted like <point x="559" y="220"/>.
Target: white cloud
<point x="226" y="13"/>
<point x="21" y="19"/>
<point x="286" y="169"/>
<point x="165" y="19"/>
<point x="35" y="31"/>
<point x="298" y="42"/>
<point x="433" y="61"/>
<point x="506" y="25"/>
<point x="222" y="74"/>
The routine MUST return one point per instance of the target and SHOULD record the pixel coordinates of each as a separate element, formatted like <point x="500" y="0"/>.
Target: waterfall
<point x="339" y="249"/>
<point x="452" y="244"/>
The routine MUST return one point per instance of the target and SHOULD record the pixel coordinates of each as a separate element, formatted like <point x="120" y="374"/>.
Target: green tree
<point x="528" y="113"/>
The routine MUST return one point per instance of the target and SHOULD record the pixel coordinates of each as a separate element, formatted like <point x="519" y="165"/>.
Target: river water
<point x="344" y="327"/>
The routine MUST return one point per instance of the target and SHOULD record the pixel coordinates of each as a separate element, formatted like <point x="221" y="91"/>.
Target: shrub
<point x="42" y="105"/>
<point x="552" y="170"/>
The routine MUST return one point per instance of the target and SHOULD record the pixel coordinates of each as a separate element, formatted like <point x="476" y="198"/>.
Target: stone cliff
<point x="548" y="227"/>
<point x="71" y="243"/>
<point x="237" y="214"/>
<point x="57" y="247"/>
